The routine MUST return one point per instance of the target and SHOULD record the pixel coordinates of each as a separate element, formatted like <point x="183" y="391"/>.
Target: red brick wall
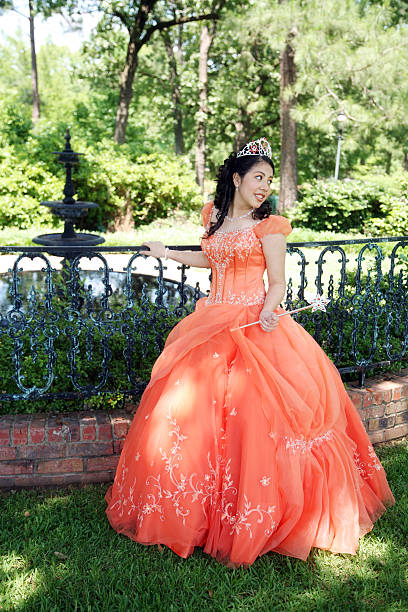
<point x="383" y="407"/>
<point x="39" y="449"/>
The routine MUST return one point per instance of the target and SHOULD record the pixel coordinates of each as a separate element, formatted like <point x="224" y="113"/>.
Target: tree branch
<point x="121" y="16"/>
<point x="333" y="95"/>
<point x="19" y="13"/>
<point x="374" y="102"/>
<point x="163" y="82"/>
<point x="162" y="25"/>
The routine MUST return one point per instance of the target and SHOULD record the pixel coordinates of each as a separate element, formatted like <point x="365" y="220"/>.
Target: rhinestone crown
<point x="256" y="147"/>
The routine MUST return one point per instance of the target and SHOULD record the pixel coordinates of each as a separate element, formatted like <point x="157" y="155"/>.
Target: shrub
<point x="393" y="222"/>
<point x="138" y="190"/>
<point x="23" y="185"/>
<point x="338" y="206"/>
<point x="72" y="345"/>
<point x="365" y="316"/>
<point x="15" y="122"/>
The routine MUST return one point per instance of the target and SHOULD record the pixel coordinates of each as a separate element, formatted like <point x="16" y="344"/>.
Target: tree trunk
<point x="126" y="90"/>
<point x="288" y="129"/>
<point x="34" y="72"/>
<point x="206" y="39"/>
<point x="242" y="132"/>
<point x="406" y="161"/>
<point x="140" y="32"/>
<point x="388" y="162"/>
<point x="175" y="93"/>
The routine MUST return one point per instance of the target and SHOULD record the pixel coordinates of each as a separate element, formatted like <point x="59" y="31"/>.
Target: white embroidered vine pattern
<point x="302" y="445"/>
<point x="221" y="249"/>
<point x="369" y="467"/>
<point x="205" y="491"/>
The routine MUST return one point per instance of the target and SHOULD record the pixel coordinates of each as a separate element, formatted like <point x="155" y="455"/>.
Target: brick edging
<point x="383" y="406"/>
<point x="78" y="447"/>
<point x="84" y="447"/>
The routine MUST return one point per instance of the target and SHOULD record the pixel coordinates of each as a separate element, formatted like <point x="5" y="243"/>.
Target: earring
<point x="236" y="187"/>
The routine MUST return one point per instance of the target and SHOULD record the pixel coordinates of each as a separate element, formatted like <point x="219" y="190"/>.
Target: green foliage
<point x="394" y="219"/>
<point x="63" y="327"/>
<point x="15" y="123"/>
<point x="369" y="328"/>
<point x="134" y="189"/>
<point x="137" y="188"/>
<point x="338" y="206"/>
<point x="23" y="185"/>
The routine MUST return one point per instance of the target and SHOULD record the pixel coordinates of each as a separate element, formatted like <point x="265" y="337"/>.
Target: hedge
<point x="141" y="189"/>
<point x="338" y="206"/>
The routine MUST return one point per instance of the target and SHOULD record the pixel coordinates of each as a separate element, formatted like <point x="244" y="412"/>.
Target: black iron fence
<point x="68" y="332"/>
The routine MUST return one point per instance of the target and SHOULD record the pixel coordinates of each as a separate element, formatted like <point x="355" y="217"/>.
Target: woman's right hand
<point x="157" y="249"/>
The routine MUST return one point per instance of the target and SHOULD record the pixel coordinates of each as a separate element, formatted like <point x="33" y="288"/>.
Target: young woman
<point x="245" y="440"/>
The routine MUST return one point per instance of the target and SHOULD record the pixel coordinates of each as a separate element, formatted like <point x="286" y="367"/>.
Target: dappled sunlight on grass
<point x="97" y="569"/>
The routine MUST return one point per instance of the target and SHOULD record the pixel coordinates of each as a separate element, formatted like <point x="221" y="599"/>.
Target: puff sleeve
<point x="274" y="224"/>
<point x="206" y="213"/>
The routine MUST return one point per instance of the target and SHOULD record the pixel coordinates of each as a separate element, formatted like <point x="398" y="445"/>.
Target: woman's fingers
<point x="155" y="249"/>
<point x="268" y="321"/>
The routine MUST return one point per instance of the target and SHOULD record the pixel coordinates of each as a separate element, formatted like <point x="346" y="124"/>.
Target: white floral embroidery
<point x="265" y="481"/>
<point x="258" y="297"/>
<point x="367" y="468"/>
<point x="221" y="249"/>
<point x="215" y="490"/>
<point x="233" y="412"/>
<point x="244" y="519"/>
<point x="178" y="382"/>
<point x="183" y="486"/>
<point x="137" y="456"/>
<point x="122" y="501"/>
<point x="215" y="355"/>
<point x="249" y="370"/>
<point x="306" y="444"/>
<point x="375" y="463"/>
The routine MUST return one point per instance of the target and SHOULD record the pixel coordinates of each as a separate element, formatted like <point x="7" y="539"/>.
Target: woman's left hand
<point x="268" y="320"/>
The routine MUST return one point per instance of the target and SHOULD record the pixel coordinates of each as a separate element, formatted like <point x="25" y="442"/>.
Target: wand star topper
<point x="316" y="302"/>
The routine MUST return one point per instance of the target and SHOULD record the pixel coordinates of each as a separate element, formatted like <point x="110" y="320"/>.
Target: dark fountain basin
<point x="32" y="286"/>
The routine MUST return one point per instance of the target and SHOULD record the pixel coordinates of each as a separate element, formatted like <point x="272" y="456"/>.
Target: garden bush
<point x="381" y="322"/>
<point x="23" y="185"/>
<point x="73" y="345"/>
<point x="393" y="221"/>
<point x="135" y="191"/>
<point x="338" y="206"/>
<point x="15" y="122"/>
<point x="130" y="190"/>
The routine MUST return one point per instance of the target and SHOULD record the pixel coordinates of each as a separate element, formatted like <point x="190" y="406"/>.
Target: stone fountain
<point x="70" y="210"/>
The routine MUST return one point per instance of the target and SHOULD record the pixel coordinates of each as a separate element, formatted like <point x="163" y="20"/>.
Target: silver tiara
<point x="256" y="147"/>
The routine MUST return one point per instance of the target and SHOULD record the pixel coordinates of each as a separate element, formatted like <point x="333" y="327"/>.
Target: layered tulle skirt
<point x="246" y="442"/>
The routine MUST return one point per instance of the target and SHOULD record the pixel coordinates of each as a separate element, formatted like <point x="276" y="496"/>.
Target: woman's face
<point x="255" y="186"/>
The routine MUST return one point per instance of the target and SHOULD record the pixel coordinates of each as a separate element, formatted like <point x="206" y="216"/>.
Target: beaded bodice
<point x="237" y="265"/>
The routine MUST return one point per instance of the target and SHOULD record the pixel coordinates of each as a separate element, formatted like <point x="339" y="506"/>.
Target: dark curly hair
<point x="224" y="193"/>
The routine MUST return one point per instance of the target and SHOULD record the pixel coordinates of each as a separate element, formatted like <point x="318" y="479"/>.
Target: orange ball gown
<point x="245" y="442"/>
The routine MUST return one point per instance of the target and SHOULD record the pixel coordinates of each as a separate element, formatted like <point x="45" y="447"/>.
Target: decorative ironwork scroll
<point x="77" y="334"/>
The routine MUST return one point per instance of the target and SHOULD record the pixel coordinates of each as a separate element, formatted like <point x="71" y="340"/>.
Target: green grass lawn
<point x="185" y="229"/>
<point x="177" y="229"/>
<point x="98" y="570"/>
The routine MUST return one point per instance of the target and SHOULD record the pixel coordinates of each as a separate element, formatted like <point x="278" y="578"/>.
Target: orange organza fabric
<point x="245" y="442"/>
